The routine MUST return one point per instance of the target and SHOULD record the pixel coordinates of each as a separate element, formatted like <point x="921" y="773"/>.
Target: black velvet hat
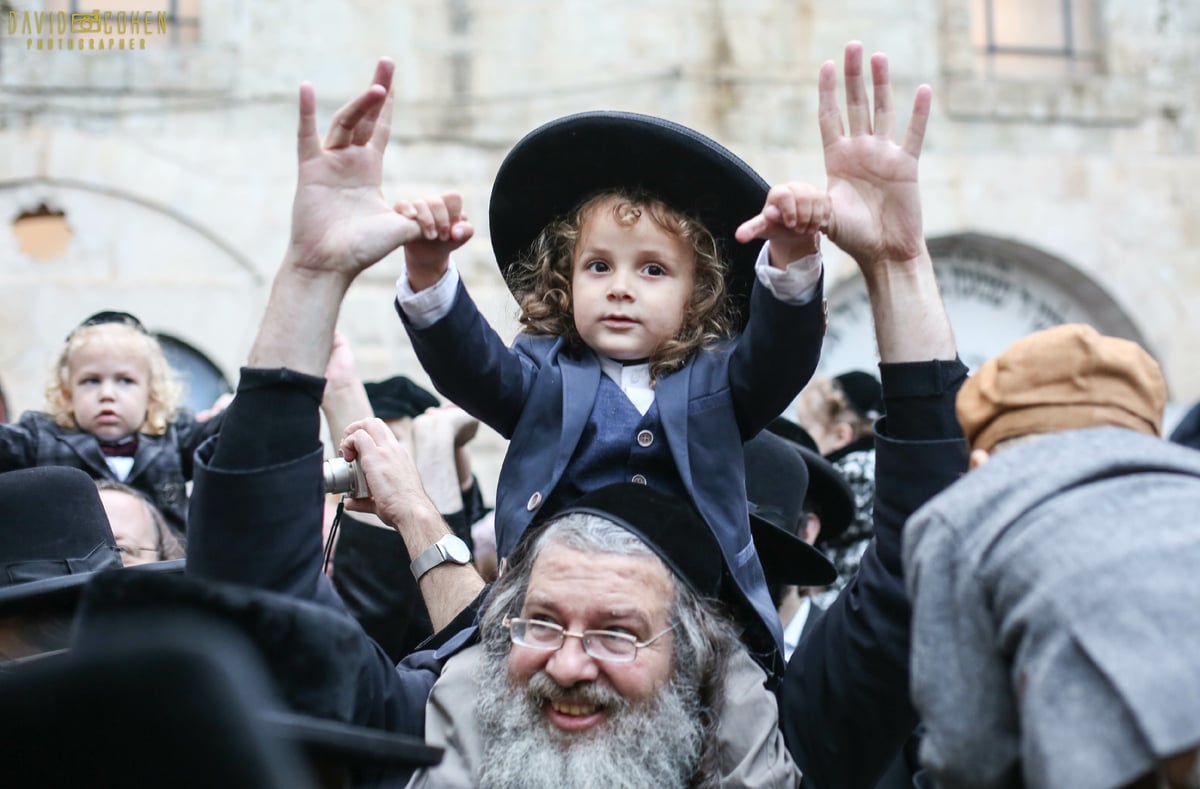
<point x="668" y="525"/>
<point x="314" y="653"/>
<point x="776" y="480"/>
<point x="55" y="532"/>
<point x="828" y="492"/>
<point x="110" y="316"/>
<point x="558" y="166"/>
<point x="399" y="397"/>
<point x="676" y="532"/>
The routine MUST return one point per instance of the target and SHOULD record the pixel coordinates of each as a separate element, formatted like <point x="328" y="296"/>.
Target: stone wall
<point x="173" y="165"/>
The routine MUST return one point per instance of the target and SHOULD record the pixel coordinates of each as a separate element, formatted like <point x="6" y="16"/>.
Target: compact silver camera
<point x="345" y="476"/>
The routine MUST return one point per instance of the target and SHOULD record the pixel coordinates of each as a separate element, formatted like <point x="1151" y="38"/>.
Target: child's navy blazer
<point x="539" y="394"/>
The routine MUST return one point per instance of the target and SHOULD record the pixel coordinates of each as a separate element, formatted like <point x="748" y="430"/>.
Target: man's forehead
<point x="623" y="585"/>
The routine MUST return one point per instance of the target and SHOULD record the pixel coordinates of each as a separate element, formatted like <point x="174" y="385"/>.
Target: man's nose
<point x="570" y="664"/>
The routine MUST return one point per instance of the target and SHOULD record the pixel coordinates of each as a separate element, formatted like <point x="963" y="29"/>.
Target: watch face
<point x="995" y="292"/>
<point x="456" y="549"/>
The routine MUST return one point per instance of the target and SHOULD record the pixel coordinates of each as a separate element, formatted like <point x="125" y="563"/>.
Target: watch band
<point x="448" y="549"/>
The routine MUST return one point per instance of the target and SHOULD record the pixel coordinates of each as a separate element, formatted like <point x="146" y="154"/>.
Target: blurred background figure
<point x="839" y="414"/>
<point x="141" y="532"/>
<point x="112" y="410"/>
<point x="827" y="510"/>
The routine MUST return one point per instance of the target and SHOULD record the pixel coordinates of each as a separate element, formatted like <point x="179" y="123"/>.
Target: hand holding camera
<point x="346" y="476"/>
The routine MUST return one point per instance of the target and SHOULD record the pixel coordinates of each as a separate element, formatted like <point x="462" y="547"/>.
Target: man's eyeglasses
<point x="608" y="645"/>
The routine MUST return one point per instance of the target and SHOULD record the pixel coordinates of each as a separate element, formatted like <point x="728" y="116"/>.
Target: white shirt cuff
<point x="427" y="307"/>
<point x="796" y="284"/>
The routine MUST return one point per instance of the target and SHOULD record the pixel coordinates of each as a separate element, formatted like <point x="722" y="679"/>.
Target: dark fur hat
<point x="314" y="654"/>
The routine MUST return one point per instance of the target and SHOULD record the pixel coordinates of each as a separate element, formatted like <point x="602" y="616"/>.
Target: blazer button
<point x="639" y="479"/>
<point x="645" y="438"/>
<point x="534" y="501"/>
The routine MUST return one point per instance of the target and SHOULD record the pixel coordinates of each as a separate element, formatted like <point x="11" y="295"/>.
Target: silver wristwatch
<point x="447" y="549"/>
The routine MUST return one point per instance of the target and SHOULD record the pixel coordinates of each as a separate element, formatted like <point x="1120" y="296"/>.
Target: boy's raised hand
<point x="872" y="180"/>
<point x="340" y="221"/>
<point x="791" y="219"/>
<point x="443" y="227"/>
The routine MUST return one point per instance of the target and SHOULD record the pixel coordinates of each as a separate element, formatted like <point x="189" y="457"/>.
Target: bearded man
<point x="604" y="661"/>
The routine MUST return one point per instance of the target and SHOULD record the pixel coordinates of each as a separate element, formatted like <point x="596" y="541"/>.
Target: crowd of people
<point x="912" y="578"/>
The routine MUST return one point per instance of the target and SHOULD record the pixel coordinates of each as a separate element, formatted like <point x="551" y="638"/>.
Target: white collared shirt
<point x="791" y="633"/>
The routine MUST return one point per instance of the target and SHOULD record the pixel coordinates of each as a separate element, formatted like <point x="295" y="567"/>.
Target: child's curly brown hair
<point x="163" y="389"/>
<point x="541" y="280"/>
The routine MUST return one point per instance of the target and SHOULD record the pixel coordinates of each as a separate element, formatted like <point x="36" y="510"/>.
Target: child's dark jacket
<point x="161" y="467"/>
<point x="539" y="394"/>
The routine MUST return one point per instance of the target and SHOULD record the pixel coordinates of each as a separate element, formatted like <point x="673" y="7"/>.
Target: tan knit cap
<point x="1064" y="378"/>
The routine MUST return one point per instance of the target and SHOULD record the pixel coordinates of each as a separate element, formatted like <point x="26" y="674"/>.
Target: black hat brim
<point x="827" y="486"/>
<point x="65" y="590"/>
<point x="556" y="167"/>
<point x="788" y="559"/>
<point x="349" y="743"/>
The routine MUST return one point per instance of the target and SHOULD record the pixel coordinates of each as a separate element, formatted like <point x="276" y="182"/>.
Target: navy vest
<point x="618" y="445"/>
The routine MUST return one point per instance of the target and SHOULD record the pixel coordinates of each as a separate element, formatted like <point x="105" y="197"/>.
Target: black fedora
<point x="55" y="539"/>
<point x="776" y="481"/>
<point x="56" y="532"/>
<point x="828" y="492"/>
<point x="558" y="166"/>
<point x="313" y="653"/>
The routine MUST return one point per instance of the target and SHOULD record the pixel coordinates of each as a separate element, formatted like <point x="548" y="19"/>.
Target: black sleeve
<point x="844" y="706"/>
<point x="275" y="417"/>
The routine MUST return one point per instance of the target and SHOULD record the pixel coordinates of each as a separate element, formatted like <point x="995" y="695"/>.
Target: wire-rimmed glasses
<point x="609" y="645"/>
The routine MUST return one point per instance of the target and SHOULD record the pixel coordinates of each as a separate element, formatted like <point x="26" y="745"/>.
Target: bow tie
<point x="125" y="448"/>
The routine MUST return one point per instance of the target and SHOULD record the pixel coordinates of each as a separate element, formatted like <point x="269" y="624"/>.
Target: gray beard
<point x="652" y="744"/>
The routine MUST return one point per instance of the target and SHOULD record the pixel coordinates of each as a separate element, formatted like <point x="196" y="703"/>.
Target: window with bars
<point x="1031" y="39"/>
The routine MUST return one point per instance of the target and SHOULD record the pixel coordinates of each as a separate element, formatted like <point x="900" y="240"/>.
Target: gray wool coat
<point x="1056" y="613"/>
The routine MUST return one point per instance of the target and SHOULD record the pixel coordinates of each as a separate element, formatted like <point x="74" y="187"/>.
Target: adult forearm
<point x="448" y="588"/>
<point x="911" y="324"/>
<point x="297" y="327"/>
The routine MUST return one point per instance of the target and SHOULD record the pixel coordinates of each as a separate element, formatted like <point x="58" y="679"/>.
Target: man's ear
<point x="978" y="458"/>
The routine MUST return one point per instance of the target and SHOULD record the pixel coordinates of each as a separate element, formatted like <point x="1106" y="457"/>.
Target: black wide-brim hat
<point x="558" y="166"/>
<point x="777" y="479"/>
<point x="63" y="592"/>
<point x="314" y="654"/>
<point x="827" y="487"/>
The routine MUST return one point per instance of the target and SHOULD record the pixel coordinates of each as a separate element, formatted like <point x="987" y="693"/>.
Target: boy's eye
<point x="596" y="266"/>
<point x="655" y="270"/>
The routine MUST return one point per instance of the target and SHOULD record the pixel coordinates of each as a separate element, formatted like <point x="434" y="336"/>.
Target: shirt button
<point x="645" y="438"/>
<point x="534" y="501"/>
<point x="639" y="479"/>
